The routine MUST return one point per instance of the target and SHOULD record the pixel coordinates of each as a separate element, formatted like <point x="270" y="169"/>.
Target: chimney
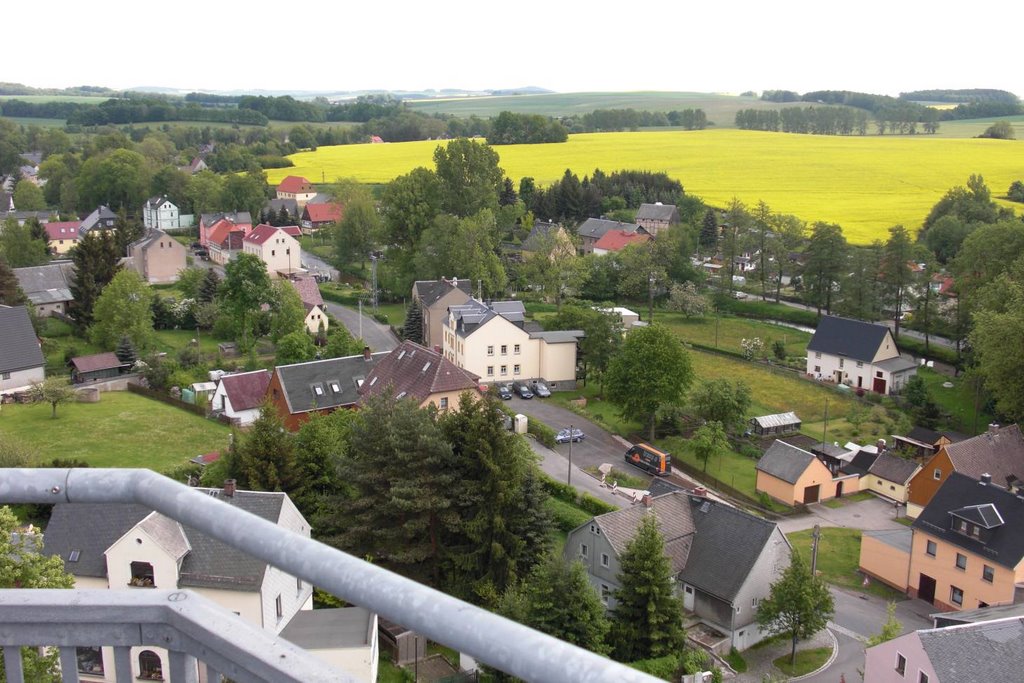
<point x="993" y="428"/>
<point x="646" y="500"/>
<point x="986" y="479"/>
<point x="880" y="444"/>
<point x="366" y="353"/>
<point x="229" y="488"/>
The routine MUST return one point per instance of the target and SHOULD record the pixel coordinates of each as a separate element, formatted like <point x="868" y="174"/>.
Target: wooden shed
<point x="772" y="425"/>
<point x="94" y="367"/>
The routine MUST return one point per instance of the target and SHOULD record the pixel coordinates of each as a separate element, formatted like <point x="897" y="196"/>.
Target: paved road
<point x="556" y="466"/>
<point x="873" y="513"/>
<point x="378" y="337"/>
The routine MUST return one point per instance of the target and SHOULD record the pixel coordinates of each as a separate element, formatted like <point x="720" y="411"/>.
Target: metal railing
<point x="487" y="637"/>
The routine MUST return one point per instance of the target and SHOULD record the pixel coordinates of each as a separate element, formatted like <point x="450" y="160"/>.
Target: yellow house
<point x="421" y="374"/>
<point x="63" y="235"/>
<point x="492" y="342"/>
<point x="794" y="476"/>
<point x="889" y="476"/>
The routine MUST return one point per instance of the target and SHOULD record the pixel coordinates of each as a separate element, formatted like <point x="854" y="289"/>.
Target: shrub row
<point x="565" y="515"/>
<point x="570" y="495"/>
<point x="546" y="435"/>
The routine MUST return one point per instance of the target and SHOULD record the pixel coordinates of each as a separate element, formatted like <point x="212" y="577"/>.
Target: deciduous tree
<point x="295" y="347"/>
<point x="708" y="441"/>
<point x="287" y="312"/>
<point x="469" y="176"/>
<point x="28" y="196"/>
<point x="119" y="178"/>
<point x="19" y="248"/>
<point x="650" y="371"/>
<point x="602" y="336"/>
<point x="647" y="619"/>
<point x="798" y="605"/>
<point x="246" y="288"/>
<point x="53" y="390"/>
<point x="722" y="400"/>
<point x="124" y="309"/>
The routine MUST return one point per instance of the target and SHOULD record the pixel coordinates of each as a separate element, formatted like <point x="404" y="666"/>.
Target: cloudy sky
<point x="865" y="45"/>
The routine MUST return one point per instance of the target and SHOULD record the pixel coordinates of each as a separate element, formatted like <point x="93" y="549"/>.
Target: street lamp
<point x="650" y="300"/>
<point x="374" y="257"/>
<point x="569" y="477"/>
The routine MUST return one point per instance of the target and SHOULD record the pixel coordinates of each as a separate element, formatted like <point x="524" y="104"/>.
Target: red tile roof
<point x="614" y="240"/>
<point x="218" y="232"/>
<point x="67" y="230"/>
<point x="97" y="361"/>
<point x="261" y="233"/>
<point x="308" y="291"/>
<point x="295" y="185"/>
<point x="323" y="213"/>
<point x="414" y="371"/>
<point x="247" y="389"/>
<point x="293" y="230"/>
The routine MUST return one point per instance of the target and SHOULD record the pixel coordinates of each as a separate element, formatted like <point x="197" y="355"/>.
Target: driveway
<point x="378" y="337"/>
<point x="556" y="466"/>
<point x="871" y="514"/>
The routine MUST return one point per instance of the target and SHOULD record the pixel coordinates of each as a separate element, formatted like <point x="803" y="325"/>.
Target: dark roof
<point x="47" y="284"/>
<point x="657" y="212"/>
<point x="429" y="292"/>
<point x="308" y="291"/>
<point x="959" y="494"/>
<point x="594" y="228"/>
<point x="413" y="371"/>
<point x="290" y="204"/>
<point x="726" y="546"/>
<point x="336" y="379"/>
<point x="157" y="202"/>
<point x="472" y="315"/>
<point x="901" y="539"/>
<point x="999" y="452"/>
<point x="990" y="651"/>
<point x="849" y="338"/>
<point x="151" y="235"/>
<point x="101" y="218"/>
<point x="97" y="361"/>
<point x="967" y="616"/>
<point x="893" y="468"/>
<point x="327" y="629"/>
<point x="660" y="486"/>
<point x="19" y="345"/>
<point x="860" y="463"/>
<point x="92" y="528"/>
<point x="675" y="521"/>
<point x="897" y="364"/>
<point x="540" y="231"/>
<point x="931" y="437"/>
<point x="785" y="461"/>
<point x="246" y="390"/>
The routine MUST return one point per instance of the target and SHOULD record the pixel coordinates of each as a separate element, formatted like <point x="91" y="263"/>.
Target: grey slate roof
<point x="102" y="218"/>
<point x="151" y="235"/>
<point x="656" y="212"/>
<point x="19" y="346"/>
<point x="328" y="629"/>
<point x="430" y="291"/>
<point x="861" y="463"/>
<point x="158" y="201"/>
<point x="725" y="547"/>
<point x="892" y="468"/>
<point x="778" y="420"/>
<point x="595" y="228"/>
<point x="472" y="315"/>
<point x="999" y="452"/>
<point x="290" y="205"/>
<point x="47" y="284"/>
<point x="1004" y="544"/>
<point x="540" y="231"/>
<point x="968" y="616"/>
<point x="92" y="528"/>
<point x="990" y="651"/>
<point x="559" y="336"/>
<point x="675" y="520"/>
<point x="849" y="338"/>
<point x="784" y="461"/>
<point x="301" y="380"/>
<point x="901" y="539"/>
<point x="898" y="364"/>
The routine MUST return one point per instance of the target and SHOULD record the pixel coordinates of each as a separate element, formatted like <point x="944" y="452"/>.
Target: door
<point x="811" y="494"/>
<point x="879" y="386"/>
<point x="688" y="598"/>
<point x="839" y="489"/>
<point x="926" y="588"/>
<point x="839" y="376"/>
<point x="860" y="381"/>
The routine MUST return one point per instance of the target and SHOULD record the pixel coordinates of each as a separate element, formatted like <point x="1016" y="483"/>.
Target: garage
<point x="811" y="494"/>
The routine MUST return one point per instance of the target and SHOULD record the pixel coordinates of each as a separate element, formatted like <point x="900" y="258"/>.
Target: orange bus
<point x="650" y="459"/>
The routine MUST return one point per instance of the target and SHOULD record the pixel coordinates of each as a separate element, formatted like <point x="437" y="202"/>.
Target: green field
<point x="838" y="559"/>
<point x="726" y="332"/>
<point x="39" y="99"/>
<point x="865" y="184"/>
<point x="122" y="430"/>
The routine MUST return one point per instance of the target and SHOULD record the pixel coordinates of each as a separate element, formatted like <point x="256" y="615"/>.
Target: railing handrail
<point x="489" y="638"/>
<point x="176" y="620"/>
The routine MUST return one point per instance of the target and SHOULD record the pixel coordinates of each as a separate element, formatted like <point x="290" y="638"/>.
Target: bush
<point x="190" y="356"/>
<point x="565" y="516"/>
<point x="736" y="661"/>
<point x="545" y="435"/>
<point x="594" y="506"/>
<point x="382" y="318"/>
<point x="664" y="668"/>
<point x="779" y="349"/>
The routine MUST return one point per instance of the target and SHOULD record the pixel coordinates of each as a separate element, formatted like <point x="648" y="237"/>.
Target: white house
<point x="858" y="354"/>
<point x="160" y="213"/>
<point x="723" y="559"/>
<point x="127" y="547"/>
<point x="492" y="342"/>
<point x="276" y="247"/>
<point x="240" y="396"/>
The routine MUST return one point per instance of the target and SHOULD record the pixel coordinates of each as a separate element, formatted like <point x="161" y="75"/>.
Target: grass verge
<point x="806" y="661"/>
<point x="839" y="558"/>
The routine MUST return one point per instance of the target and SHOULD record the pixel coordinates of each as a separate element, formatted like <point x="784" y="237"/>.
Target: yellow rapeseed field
<point x="865" y="184"/>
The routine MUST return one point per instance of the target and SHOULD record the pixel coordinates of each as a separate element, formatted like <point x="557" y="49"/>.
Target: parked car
<point x="563" y="436"/>
<point x="541" y="389"/>
<point x="523" y="390"/>
<point x="504" y="393"/>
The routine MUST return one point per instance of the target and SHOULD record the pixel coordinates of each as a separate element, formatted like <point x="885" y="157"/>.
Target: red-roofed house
<point x="376" y="140"/>
<point x="425" y="376"/>
<point x="616" y="240"/>
<point x="309" y="292"/>
<point x="316" y="216"/>
<point x="276" y="248"/>
<point x="239" y="220"/>
<point x="297" y="188"/>
<point x="224" y="241"/>
<point x="240" y="396"/>
<point x="62" y="235"/>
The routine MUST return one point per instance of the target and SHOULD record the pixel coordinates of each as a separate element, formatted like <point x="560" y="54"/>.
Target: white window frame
<point x="605" y="560"/>
<point x="490" y="350"/>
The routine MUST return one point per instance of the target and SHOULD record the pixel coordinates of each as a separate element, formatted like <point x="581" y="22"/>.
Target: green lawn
<point x="958" y="401"/>
<point x="729" y="467"/>
<point x="836" y="503"/>
<point x="726" y="332"/>
<point x="122" y="430"/>
<point x="838" y="559"/>
<point x="806" y="661"/>
<point x="172" y="341"/>
<point x="601" y="411"/>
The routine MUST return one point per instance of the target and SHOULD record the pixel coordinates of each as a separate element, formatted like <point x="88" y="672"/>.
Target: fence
<point x="166" y="398"/>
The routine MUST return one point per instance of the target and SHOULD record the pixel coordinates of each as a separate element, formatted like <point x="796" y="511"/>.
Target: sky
<point x="696" y="46"/>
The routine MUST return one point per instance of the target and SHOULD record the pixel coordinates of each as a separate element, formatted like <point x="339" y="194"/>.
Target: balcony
<point x="200" y="636"/>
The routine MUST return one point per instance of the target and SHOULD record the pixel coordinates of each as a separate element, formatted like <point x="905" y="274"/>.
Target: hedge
<point x="568" y="494"/>
<point x="566" y="516"/>
<point x="664" y="668"/>
<point x="546" y="435"/>
<point x="767" y="310"/>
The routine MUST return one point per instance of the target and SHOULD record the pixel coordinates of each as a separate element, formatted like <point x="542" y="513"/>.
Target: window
<point x="5" y="375"/>
<point x="142" y="575"/>
<point x="273" y="252"/>
<point x="961" y="561"/>
<point x="606" y="592"/>
<point x="956" y="595"/>
<point x="504" y="369"/>
<point x="988" y="573"/>
<point x="817" y="354"/>
<point x="878" y="374"/>
<point x="931" y="548"/>
<point x="444" y="403"/>
<point x="515" y="369"/>
<point x="937" y="474"/>
<point x="490" y="350"/>
<point x="150" y="667"/>
<point x="842" y="362"/>
<point x="583" y="550"/>
<point x="605" y="560"/>
<point x="90" y="660"/>
<point x="754" y="602"/>
<point x="817" y="368"/>
<point x="901" y="664"/>
<point x="922" y="677"/>
<point x="860" y="364"/>
<point x="515" y="348"/>
<point x="593" y="529"/>
<point x="279" y="606"/>
<point x="490" y="371"/>
<point x="504" y="349"/>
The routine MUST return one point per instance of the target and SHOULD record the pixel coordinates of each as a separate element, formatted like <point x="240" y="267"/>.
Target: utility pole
<point x="374" y="257"/>
<point x="360" y="320"/>
<point x="824" y="429"/>
<point x="569" y="477"/>
<point x="650" y="299"/>
<point x="816" y="536"/>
